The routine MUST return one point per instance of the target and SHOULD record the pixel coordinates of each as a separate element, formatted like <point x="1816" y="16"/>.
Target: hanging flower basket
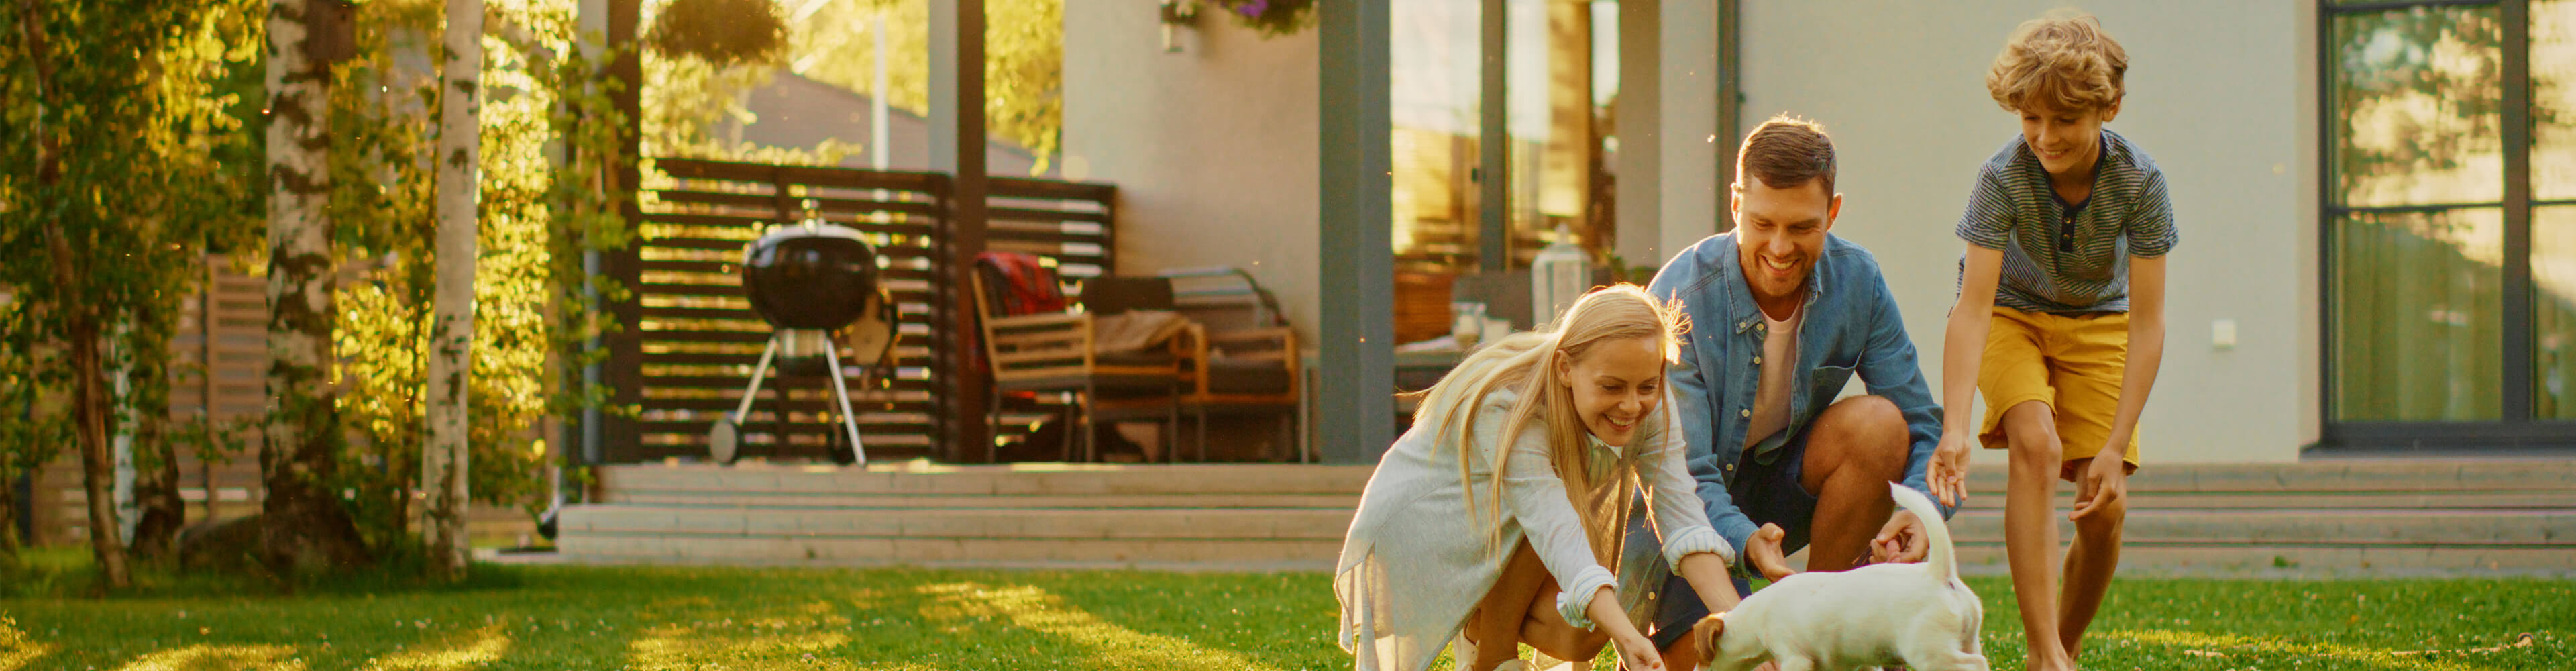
<point x="1273" y="18"/>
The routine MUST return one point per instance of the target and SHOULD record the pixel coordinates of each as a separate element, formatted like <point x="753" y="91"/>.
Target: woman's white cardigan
<point x="1418" y="557"/>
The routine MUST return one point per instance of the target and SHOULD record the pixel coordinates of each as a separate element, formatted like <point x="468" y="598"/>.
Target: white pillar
<point x="1692" y="203"/>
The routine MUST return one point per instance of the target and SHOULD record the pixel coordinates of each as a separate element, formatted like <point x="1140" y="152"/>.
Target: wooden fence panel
<point x="701" y="340"/>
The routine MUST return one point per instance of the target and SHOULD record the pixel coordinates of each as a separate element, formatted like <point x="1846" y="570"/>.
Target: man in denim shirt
<point x="1782" y="314"/>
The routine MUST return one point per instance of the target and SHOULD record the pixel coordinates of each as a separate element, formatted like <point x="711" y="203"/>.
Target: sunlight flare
<point x="1037" y="610"/>
<point x="260" y="657"/>
<point x="480" y="647"/>
<point x="15" y="650"/>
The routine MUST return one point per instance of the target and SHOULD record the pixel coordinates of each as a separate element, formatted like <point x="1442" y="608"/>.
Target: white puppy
<point x="1918" y="615"/>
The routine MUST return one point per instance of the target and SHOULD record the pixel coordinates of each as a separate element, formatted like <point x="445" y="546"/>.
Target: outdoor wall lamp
<point x="1178" y="14"/>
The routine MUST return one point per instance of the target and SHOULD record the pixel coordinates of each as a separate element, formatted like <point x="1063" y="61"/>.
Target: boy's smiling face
<point x="2068" y="142"/>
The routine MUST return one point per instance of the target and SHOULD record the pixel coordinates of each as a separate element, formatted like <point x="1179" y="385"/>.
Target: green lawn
<point x="562" y="617"/>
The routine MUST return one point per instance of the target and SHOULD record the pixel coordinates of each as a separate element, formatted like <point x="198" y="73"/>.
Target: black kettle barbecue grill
<point x="809" y="280"/>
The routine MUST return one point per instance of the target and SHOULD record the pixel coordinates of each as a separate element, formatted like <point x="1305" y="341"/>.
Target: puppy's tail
<point x="1944" y="560"/>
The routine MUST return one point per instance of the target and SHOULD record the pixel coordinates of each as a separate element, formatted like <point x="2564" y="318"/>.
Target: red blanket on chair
<point x="1028" y="285"/>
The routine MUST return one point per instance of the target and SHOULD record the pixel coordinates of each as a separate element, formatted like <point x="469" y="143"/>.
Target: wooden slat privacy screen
<point x="700" y="340"/>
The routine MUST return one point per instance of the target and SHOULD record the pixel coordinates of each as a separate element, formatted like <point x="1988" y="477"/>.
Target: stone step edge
<point x="1962" y="544"/>
<point x="2549" y="512"/>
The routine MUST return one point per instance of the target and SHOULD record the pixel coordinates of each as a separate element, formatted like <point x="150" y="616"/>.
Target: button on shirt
<point x="1770" y="411"/>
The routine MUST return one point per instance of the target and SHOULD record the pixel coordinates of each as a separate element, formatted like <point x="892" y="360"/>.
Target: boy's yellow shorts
<point x="2072" y="362"/>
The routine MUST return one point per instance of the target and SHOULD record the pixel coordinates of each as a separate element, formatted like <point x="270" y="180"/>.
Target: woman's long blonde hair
<point x="1528" y="361"/>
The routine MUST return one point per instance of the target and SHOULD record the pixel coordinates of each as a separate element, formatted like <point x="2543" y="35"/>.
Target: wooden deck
<point x="2331" y="517"/>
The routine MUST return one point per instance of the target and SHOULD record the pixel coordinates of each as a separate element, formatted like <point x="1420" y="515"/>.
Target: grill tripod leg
<point x="841" y="393"/>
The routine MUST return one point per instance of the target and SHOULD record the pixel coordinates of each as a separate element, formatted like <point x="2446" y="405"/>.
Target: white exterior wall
<point x="1213" y="149"/>
<point x="2220" y="93"/>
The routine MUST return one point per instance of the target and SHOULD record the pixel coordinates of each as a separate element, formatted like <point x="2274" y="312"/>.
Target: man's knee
<point x="1872" y="431"/>
<point x="1870" y="415"/>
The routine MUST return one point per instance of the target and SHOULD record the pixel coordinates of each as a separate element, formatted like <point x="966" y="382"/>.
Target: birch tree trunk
<point x="305" y="527"/>
<point x="444" y="459"/>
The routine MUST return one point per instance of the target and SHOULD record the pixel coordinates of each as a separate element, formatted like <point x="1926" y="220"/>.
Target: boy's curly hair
<point x="2061" y="61"/>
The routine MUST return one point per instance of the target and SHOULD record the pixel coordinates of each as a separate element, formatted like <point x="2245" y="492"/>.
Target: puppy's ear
<point x="1705" y="635"/>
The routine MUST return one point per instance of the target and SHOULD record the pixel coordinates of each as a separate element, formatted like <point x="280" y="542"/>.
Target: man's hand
<point x="2105" y="482"/>
<point x="1763" y="551"/>
<point x="1901" y="541"/>
<point x="1947" y="475"/>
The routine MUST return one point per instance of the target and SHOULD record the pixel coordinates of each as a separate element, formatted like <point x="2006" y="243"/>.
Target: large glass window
<point x="2553" y="96"/>
<point x="2451" y="232"/>
<point x="1560" y="74"/>
<point x="2553" y="320"/>
<point x="2553" y="222"/>
<point x="2418" y="328"/>
<point x="1435" y="84"/>
<point x="1563" y="65"/>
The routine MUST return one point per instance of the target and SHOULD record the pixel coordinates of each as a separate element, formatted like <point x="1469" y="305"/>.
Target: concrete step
<point x="823" y="500"/>
<point x="2339" y="527"/>
<point x="2299" y="542"/>
<point x="2168" y="500"/>
<point x="1154" y="524"/>
<point x="2138" y="558"/>
<point x="2376" y="477"/>
<point x="1987" y="474"/>
<point x="2415" y="528"/>
<point x="920" y="478"/>
<point x="2305" y="561"/>
<point x="1236" y="554"/>
<point x="2361" y="517"/>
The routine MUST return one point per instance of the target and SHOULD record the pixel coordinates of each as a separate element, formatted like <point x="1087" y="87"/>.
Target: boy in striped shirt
<point x="2060" y="319"/>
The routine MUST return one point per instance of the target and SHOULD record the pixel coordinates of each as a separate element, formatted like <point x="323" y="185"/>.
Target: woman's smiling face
<point x="1615" y="384"/>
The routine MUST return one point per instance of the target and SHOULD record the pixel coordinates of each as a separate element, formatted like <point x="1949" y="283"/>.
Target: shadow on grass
<point x="65" y="572"/>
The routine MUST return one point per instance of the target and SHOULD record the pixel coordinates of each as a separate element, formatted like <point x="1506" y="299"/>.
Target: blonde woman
<point x="1497" y="518"/>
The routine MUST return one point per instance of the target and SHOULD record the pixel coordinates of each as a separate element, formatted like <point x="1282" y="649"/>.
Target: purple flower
<point x="1253" y="9"/>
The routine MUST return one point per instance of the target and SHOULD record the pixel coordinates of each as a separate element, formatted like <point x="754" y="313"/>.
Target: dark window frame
<point x="2519" y="428"/>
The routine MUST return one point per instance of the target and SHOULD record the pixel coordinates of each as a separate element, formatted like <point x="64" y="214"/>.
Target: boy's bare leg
<point x="2094" y="556"/>
<point x="2030" y="529"/>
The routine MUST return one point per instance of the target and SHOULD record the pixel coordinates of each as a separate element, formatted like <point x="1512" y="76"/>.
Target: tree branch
<point x="48" y="149"/>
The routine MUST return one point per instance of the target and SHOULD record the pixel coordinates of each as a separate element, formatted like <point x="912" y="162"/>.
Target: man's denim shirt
<point x="1851" y="325"/>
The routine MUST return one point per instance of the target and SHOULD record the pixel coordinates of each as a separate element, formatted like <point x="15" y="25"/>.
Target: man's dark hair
<point x="1787" y="151"/>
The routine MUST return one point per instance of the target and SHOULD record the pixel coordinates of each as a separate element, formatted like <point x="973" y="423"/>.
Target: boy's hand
<point x="1763" y="551"/>
<point x="2105" y="482"/>
<point x="1947" y="475"/>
